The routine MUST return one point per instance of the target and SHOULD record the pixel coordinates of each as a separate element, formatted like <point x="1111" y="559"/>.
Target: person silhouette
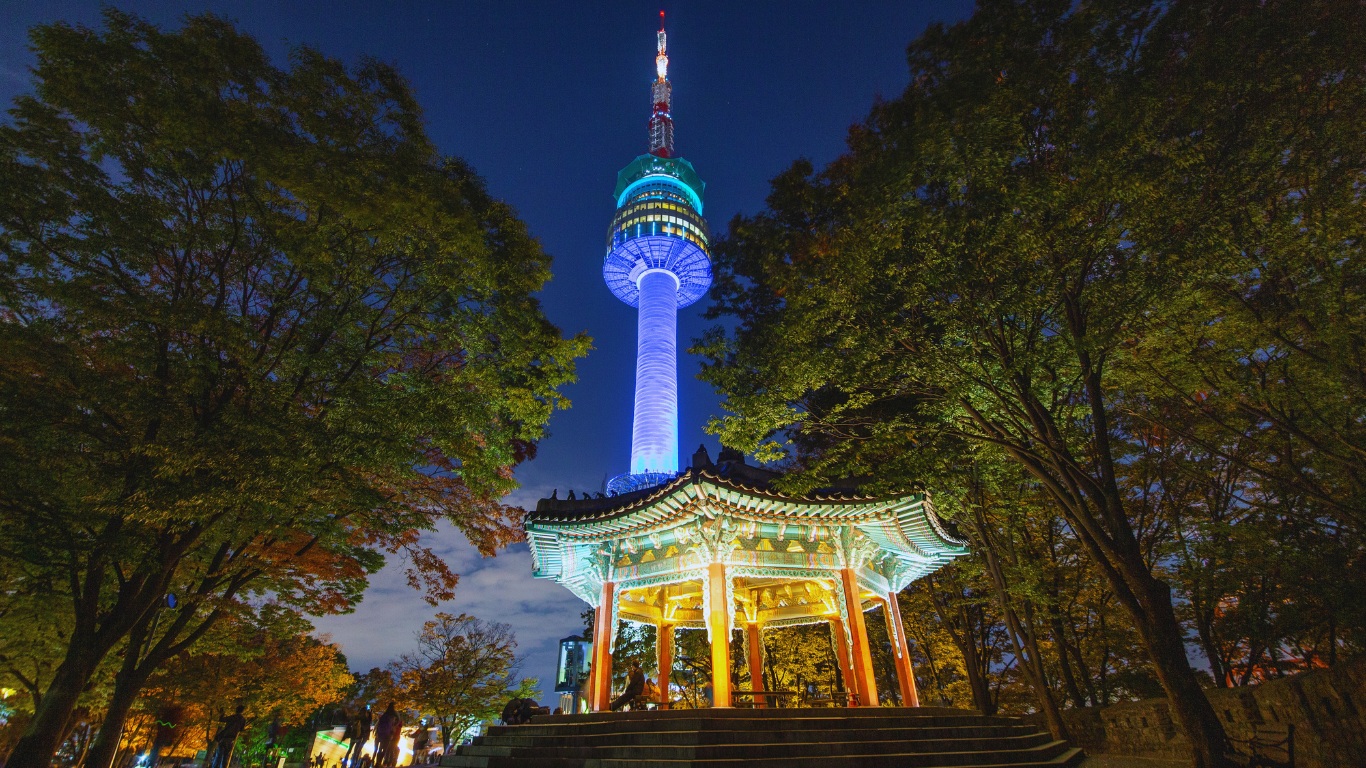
<point x="635" y="686"/>
<point x="387" y="733"/>
<point x="360" y="730"/>
<point x="226" y="739"/>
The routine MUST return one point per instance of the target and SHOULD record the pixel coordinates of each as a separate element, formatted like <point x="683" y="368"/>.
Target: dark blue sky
<point x="548" y="101"/>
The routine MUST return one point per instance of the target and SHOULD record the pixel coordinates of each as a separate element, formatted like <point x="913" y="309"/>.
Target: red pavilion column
<point x="600" y="677"/>
<point x="665" y="644"/>
<point x="905" y="675"/>
<point x="842" y="655"/>
<point x="754" y="635"/>
<point x="718" y="620"/>
<point x="860" y="657"/>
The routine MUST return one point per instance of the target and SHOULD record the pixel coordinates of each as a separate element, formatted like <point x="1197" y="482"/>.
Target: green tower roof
<point x="651" y="165"/>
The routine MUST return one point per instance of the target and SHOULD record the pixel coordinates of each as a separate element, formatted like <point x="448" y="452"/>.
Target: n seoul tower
<point x="657" y="262"/>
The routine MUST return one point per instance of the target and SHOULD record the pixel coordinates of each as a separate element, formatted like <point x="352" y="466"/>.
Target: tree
<point x="373" y="688"/>
<point x="267" y="662"/>
<point x="999" y="259"/>
<point x="795" y="657"/>
<point x="958" y="639"/>
<point x="1262" y="345"/>
<point x="462" y="672"/>
<point x="256" y="332"/>
<point x="634" y="642"/>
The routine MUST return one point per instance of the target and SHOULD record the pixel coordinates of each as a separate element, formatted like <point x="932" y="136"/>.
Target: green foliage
<point x="800" y="658"/>
<point x="256" y="332"/>
<point x="637" y="642"/>
<point x="1112" y="248"/>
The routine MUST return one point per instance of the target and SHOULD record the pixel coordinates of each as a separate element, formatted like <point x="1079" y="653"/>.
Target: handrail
<point x="1256" y="757"/>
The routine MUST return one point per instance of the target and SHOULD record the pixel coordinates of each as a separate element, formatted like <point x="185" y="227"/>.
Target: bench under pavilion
<point x="716" y="548"/>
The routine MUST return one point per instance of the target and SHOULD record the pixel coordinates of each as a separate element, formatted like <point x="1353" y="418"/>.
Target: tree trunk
<point x="1151" y="607"/>
<point x="962" y="629"/>
<point x="137" y="668"/>
<point x="1032" y="665"/>
<point x="52" y="717"/>
<point x="1103" y="671"/>
<point x="982" y="699"/>
<point x="127" y="685"/>
<point x="1023" y="642"/>
<point x="1094" y="508"/>
<point x="1060" y="643"/>
<point x="1055" y="622"/>
<point x="1084" y="672"/>
<point x="1148" y="601"/>
<point x="1162" y="636"/>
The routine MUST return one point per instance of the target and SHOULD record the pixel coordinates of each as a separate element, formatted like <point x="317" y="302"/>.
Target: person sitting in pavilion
<point x="635" y="686"/>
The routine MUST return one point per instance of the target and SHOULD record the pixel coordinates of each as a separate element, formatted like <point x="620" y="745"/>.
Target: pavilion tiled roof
<point x="727" y="476"/>
<point x="564" y="533"/>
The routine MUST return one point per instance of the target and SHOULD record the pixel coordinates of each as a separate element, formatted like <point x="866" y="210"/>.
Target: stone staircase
<point x="884" y="737"/>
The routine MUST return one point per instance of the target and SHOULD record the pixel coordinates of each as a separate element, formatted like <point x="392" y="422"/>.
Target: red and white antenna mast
<point x="661" y="122"/>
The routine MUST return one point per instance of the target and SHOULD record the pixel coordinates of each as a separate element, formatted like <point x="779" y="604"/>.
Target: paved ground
<point x="1128" y="761"/>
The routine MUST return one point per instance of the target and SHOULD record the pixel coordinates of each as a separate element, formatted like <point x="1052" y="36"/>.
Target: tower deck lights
<point x="657" y="261"/>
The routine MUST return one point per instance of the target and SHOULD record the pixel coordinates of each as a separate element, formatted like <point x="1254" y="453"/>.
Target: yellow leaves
<point x="273" y="671"/>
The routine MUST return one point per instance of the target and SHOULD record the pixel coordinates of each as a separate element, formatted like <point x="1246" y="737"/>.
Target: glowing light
<point x="641" y="250"/>
<point x="657" y="262"/>
<point x="661" y="179"/>
<point x="662" y="51"/>
<point x="654" y="436"/>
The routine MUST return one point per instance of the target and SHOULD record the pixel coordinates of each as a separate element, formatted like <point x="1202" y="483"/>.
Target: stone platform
<point x="884" y="737"/>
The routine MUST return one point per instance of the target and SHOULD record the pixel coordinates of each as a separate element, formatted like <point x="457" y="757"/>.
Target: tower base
<point x="628" y="483"/>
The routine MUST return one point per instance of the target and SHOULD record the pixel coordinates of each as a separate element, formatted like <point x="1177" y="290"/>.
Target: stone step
<point x="1069" y="757"/>
<point x="567" y="738"/>
<point x="956" y="752"/>
<point x="778" y="713"/>
<point x="852" y="738"/>
<point x="552" y="725"/>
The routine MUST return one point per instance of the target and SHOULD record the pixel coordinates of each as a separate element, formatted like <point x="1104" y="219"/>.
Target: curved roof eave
<point x="905" y="523"/>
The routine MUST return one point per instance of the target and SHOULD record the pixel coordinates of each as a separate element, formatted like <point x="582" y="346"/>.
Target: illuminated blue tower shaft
<point x="657" y="262"/>
<point x="654" y="435"/>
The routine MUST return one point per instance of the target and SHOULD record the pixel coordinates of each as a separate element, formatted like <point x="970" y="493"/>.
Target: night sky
<point x="548" y="101"/>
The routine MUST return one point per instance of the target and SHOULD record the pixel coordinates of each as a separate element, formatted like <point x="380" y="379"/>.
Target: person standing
<point x="387" y="733"/>
<point x="360" y="730"/>
<point x="422" y="740"/>
<point x="226" y="739"/>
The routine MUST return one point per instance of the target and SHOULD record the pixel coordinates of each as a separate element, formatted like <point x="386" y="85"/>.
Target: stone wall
<point x="1327" y="708"/>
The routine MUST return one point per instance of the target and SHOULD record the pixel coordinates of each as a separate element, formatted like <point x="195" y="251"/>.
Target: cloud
<point x="500" y="588"/>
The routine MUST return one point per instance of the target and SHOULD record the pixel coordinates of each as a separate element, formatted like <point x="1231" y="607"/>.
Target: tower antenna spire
<point x="661" y="121"/>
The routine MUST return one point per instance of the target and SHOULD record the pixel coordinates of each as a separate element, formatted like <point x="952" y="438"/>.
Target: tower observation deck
<point x="657" y="261"/>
